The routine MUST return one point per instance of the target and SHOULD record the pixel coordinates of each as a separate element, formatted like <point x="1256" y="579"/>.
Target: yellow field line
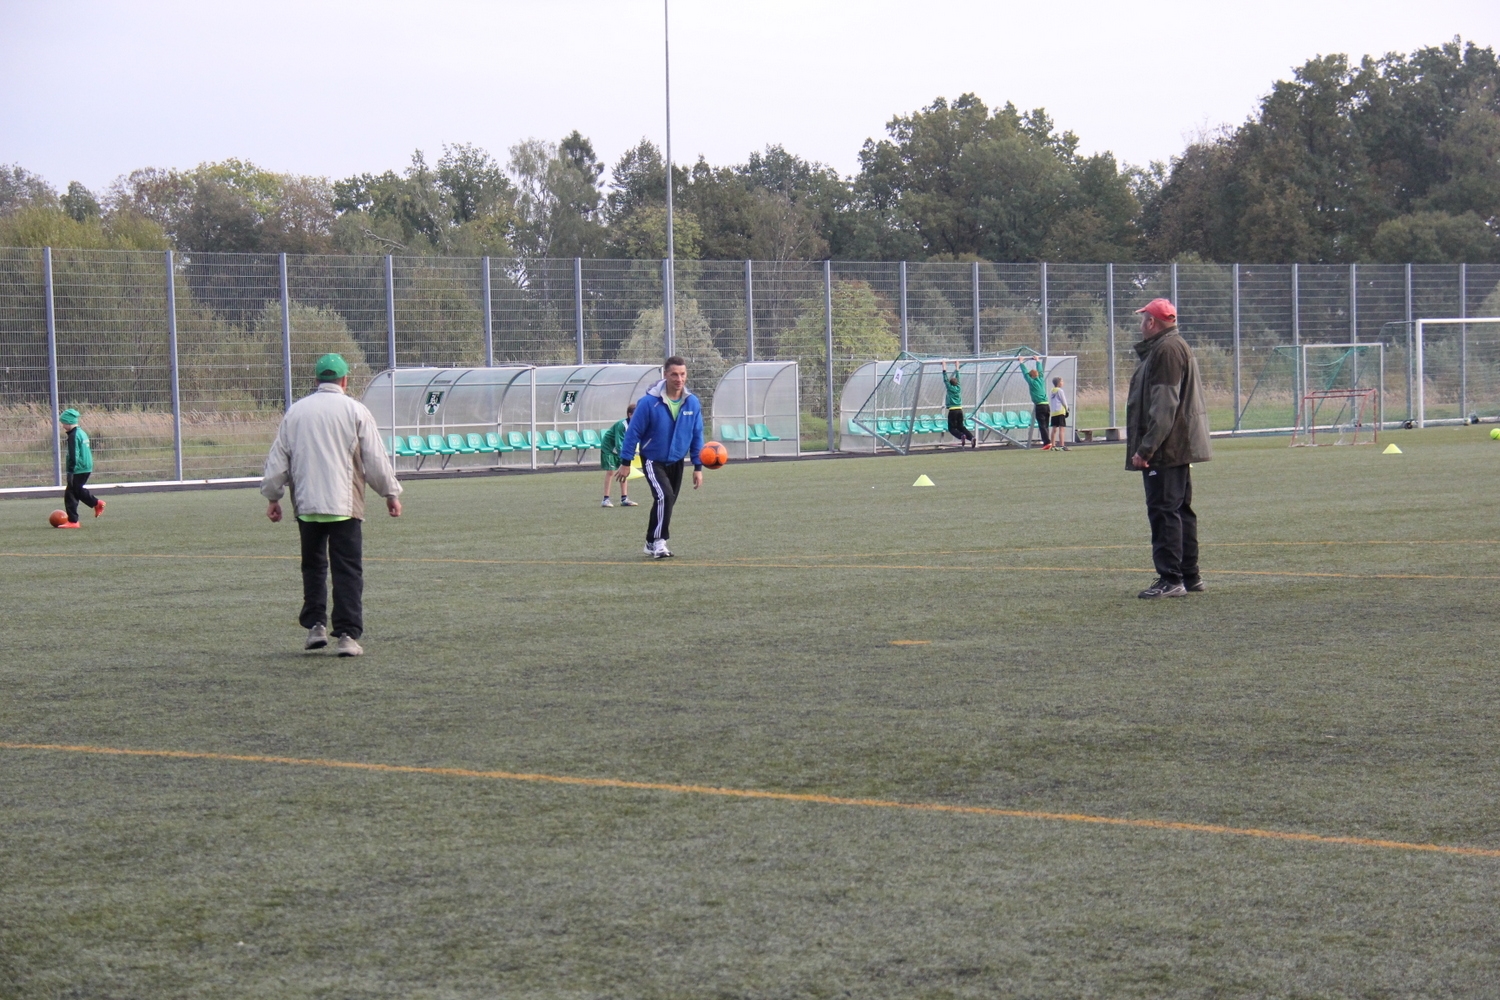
<point x="751" y="793"/>
<point x="745" y="564"/>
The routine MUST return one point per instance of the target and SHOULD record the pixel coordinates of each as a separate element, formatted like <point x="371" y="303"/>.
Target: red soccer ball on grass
<point x="713" y="455"/>
<point x="57" y="518"/>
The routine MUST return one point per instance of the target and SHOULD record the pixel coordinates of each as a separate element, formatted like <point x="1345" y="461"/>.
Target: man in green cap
<point x="326" y="450"/>
<point x="79" y="465"/>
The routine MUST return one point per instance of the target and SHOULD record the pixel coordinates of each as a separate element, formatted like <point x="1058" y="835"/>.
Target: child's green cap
<point x="331" y="368"/>
<point x="68" y="416"/>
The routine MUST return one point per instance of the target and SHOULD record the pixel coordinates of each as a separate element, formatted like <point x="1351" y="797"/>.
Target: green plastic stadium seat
<point x="855" y="430"/>
<point x="459" y="446"/>
<point x="437" y="446"/>
<point x="519" y="441"/>
<point x="494" y="442"/>
<point x="400" y="448"/>
<point x="554" y="440"/>
<point x="900" y="425"/>
<point x="592" y="438"/>
<point x="765" y="433"/>
<point x="416" y="445"/>
<point x="540" y="440"/>
<point x="571" y="439"/>
<point x="751" y="434"/>
<point x="731" y="432"/>
<point x="883" y="426"/>
<point x="476" y="444"/>
<point x="923" y="424"/>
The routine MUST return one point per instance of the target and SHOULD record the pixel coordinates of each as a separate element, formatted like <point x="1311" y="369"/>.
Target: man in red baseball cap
<point x="1166" y="430"/>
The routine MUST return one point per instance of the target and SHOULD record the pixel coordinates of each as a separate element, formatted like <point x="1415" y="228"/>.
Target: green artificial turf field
<point x="1337" y="679"/>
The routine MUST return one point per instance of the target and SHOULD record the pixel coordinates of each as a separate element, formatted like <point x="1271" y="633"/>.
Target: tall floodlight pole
<point x="669" y="289"/>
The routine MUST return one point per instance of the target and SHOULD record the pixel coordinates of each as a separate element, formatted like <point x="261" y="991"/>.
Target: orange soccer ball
<point x="713" y="455"/>
<point x="57" y="518"/>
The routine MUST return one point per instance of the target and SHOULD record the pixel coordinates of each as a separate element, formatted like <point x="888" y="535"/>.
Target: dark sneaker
<point x="317" y="637"/>
<point x="1162" y="588"/>
<point x="348" y="646"/>
<point x="1194" y="586"/>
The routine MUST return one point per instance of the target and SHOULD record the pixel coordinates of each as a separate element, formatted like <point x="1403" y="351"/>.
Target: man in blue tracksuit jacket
<point x="668" y="428"/>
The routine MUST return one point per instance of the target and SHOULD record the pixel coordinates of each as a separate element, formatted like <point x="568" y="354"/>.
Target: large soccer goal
<point x="1340" y="392"/>
<point x="1458" y="359"/>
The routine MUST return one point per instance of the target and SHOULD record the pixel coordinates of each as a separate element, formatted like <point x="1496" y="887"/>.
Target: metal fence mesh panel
<point x="236" y="327"/>
<point x="229" y="350"/>
<point x="26" y="439"/>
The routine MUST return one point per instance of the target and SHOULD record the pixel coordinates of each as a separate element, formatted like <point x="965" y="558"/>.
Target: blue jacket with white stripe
<point x="660" y="438"/>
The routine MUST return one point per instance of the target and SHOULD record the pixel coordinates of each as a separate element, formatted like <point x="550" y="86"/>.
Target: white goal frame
<point x="1420" y="365"/>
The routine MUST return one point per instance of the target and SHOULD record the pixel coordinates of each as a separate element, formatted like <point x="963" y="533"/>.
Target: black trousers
<point x="956" y="426"/>
<point x="1174" y="526"/>
<point x="1044" y="421"/>
<point x="76" y="494"/>
<point x="339" y="545"/>
<point x="665" y="480"/>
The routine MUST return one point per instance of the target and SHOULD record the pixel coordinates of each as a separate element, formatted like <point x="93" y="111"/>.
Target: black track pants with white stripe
<point x="665" y="480"/>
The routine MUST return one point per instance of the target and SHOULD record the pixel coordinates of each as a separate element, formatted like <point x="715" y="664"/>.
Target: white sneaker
<point x="317" y="637"/>
<point x="606" y="503"/>
<point x="650" y="548"/>
<point x="349" y="647"/>
<point x="661" y="551"/>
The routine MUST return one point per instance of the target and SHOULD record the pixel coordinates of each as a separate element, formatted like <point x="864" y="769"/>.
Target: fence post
<point x="1109" y="319"/>
<point x="1410" y="358"/>
<point x="286" y="337"/>
<point x="1174" y="283"/>
<point x="749" y="324"/>
<point x="489" y="315"/>
<point x="1238" y="413"/>
<point x="578" y="306"/>
<point x="669" y="325"/>
<point x="51" y="317"/>
<point x="390" y="310"/>
<point x="1463" y="343"/>
<point x="172" y="360"/>
<point x="905" y="330"/>
<point x="1297" y="373"/>
<point x="828" y="340"/>
<point x="1046" y="350"/>
<point x="975" y="282"/>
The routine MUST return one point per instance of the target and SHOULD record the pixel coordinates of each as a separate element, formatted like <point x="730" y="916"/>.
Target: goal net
<point x="1340" y="389"/>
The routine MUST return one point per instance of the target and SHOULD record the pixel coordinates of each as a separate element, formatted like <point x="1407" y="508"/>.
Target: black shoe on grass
<point x="1194" y="586"/>
<point x="1162" y="588"/>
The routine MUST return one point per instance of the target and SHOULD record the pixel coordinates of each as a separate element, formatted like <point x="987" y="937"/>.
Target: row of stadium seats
<point x="1003" y="421"/>
<point x="436" y="445"/>
<point x="748" y="432"/>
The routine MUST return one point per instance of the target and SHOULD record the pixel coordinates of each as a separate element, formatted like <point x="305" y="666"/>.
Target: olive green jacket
<point x="1166" y="416"/>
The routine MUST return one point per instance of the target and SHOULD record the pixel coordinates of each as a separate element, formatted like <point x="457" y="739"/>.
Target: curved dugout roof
<point x="503" y="400"/>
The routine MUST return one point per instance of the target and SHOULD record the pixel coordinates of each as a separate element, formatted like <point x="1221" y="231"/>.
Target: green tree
<point x="865" y="328"/>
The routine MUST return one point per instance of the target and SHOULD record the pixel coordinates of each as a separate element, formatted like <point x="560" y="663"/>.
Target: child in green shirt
<point x="78" y="463"/>
<point x="955" y="392"/>
<point x="609" y="458"/>
<point x="1037" y="386"/>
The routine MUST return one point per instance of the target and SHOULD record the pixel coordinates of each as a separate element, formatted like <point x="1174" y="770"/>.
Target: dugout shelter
<point x="510" y="416"/>
<point x="756" y="410"/>
<point x="901" y="405"/>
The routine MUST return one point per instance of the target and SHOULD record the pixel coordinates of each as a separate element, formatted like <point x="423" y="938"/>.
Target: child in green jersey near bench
<point x="609" y="458"/>
<point x="955" y="403"/>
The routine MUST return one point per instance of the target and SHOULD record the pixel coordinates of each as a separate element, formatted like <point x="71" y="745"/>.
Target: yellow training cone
<point x="635" y="469"/>
<point x="1391" y="449"/>
<point x="922" y="480"/>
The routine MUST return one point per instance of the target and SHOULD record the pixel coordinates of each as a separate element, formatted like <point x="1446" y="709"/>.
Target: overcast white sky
<point x="92" y="89"/>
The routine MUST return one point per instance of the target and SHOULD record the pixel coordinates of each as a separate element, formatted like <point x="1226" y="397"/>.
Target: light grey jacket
<point x="326" y="450"/>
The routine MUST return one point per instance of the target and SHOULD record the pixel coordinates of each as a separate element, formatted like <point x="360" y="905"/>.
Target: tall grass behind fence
<point x="241" y="317"/>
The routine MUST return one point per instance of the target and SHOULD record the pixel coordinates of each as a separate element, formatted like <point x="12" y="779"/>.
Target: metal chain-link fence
<point x="194" y="386"/>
